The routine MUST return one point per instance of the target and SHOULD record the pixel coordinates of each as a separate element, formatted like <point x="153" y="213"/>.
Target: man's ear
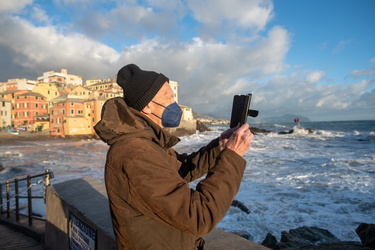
<point x="147" y="110"/>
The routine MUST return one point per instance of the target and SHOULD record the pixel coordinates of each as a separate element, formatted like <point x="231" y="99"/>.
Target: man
<point x="152" y="206"/>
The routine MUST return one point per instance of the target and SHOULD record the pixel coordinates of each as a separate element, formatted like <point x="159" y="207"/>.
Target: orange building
<point x="67" y="118"/>
<point x="93" y="110"/>
<point x="26" y="107"/>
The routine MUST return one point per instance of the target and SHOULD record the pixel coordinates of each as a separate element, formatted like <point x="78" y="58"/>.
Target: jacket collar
<point x="120" y="121"/>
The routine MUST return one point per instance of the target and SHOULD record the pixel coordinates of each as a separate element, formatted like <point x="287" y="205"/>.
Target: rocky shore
<point x="6" y="137"/>
<point x="312" y="238"/>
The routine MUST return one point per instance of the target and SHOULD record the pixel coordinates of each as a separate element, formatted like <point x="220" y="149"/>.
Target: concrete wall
<point x="83" y="199"/>
<point x="80" y="207"/>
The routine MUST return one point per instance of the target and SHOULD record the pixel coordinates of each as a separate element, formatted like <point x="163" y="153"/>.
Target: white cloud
<point x="42" y="48"/>
<point x="39" y="15"/>
<point x="365" y="72"/>
<point x="246" y="14"/>
<point x="13" y="6"/>
<point x="315" y="76"/>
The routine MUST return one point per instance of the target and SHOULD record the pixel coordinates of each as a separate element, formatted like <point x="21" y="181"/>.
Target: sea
<point x="322" y="179"/>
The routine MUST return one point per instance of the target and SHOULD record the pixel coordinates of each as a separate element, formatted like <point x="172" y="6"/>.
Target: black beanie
<point x="139" y="86"/>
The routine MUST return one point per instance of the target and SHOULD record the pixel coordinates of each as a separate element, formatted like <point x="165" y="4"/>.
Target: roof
<point x="3" y="100"/>
<point x="76" y="100"/>
<point x="32" y="94"/>
<point x="10" y="91"/>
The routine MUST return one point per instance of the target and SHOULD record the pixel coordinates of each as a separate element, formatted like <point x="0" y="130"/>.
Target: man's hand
<point x="237" y="139"/>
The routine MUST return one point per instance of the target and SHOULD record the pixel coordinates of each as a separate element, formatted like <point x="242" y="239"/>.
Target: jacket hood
<point x="119" y="121"/>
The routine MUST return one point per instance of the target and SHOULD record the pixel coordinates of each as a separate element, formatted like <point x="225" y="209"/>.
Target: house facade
<point x="5" y="113"/>
<point x="67" y="118"/>
<point x="18" y="84"/>
<point x="93" y="110"/>
<point x="26" y="107"/>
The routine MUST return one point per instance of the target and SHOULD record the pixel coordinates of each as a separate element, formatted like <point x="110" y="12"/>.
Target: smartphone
<point x="241" y="110"/>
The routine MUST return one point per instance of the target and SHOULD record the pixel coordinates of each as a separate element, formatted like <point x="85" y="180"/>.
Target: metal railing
<point x="17" y="195"/>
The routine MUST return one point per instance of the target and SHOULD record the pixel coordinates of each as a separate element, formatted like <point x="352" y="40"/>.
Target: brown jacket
<point x="152" y="205"/>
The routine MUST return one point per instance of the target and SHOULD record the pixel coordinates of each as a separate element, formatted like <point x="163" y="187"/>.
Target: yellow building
<point x="93" y="111"/>
<point x="42" y="122"/>
<point x="103" y="85"/>
<point x="80" y="92"/>
<point x="49" y="90"/>
<point x="77" y="125"/>
<point x="187" y="113"/>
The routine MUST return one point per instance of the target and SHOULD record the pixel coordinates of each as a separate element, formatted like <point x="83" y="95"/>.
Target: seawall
<point x="77" y="213"/>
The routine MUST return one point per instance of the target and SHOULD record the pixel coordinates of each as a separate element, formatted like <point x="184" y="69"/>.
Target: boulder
<point x="270" y="241"/>
<point x="259" y="130"/>
<point x="201" y="127"/>
<point x="304" y="236"/>
<point x="366" y="233"/>
<point x="240" y="205"/>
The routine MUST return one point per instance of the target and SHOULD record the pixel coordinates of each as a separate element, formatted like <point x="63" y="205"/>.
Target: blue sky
<point x="303" y="57"/>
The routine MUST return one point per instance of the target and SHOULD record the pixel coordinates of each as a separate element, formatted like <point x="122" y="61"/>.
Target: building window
<point x="36" y="105"/>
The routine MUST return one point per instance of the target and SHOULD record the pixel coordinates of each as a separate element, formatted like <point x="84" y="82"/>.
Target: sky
<point x="311" y="58"/>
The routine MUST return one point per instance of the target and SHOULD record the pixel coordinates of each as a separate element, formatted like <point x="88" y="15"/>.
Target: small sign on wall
<point x="81" y="235"/>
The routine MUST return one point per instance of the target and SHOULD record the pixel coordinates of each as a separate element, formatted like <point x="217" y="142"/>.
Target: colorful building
<point x="49" y="90"/>
<point x="61" y="78"/>
<point x="26" y="107"/>
<point x="18" y="84"/>
<point x="67" y="118"/>
<point x="5" y="113"/>
<point x="80" y="92"/>
<point x="104" y="84"/>
<point x="93" y="110"/>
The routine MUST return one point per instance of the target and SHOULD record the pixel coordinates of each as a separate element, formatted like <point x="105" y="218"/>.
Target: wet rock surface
<point x="310" y="238"/>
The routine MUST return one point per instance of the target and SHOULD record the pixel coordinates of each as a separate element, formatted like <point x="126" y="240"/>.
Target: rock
<point x="240" y="205"/>
<point x="304" y="236"/>
<point x="270" y="241"/>
<point x="305" y="130"/>
<point x="1" y="167"/>
<point x="342" y="245"/>
<point x="201" y="127"/>
<point x="259" y="130"/>
<point x="366" y="233"/>
<point x="243" y="234"/>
